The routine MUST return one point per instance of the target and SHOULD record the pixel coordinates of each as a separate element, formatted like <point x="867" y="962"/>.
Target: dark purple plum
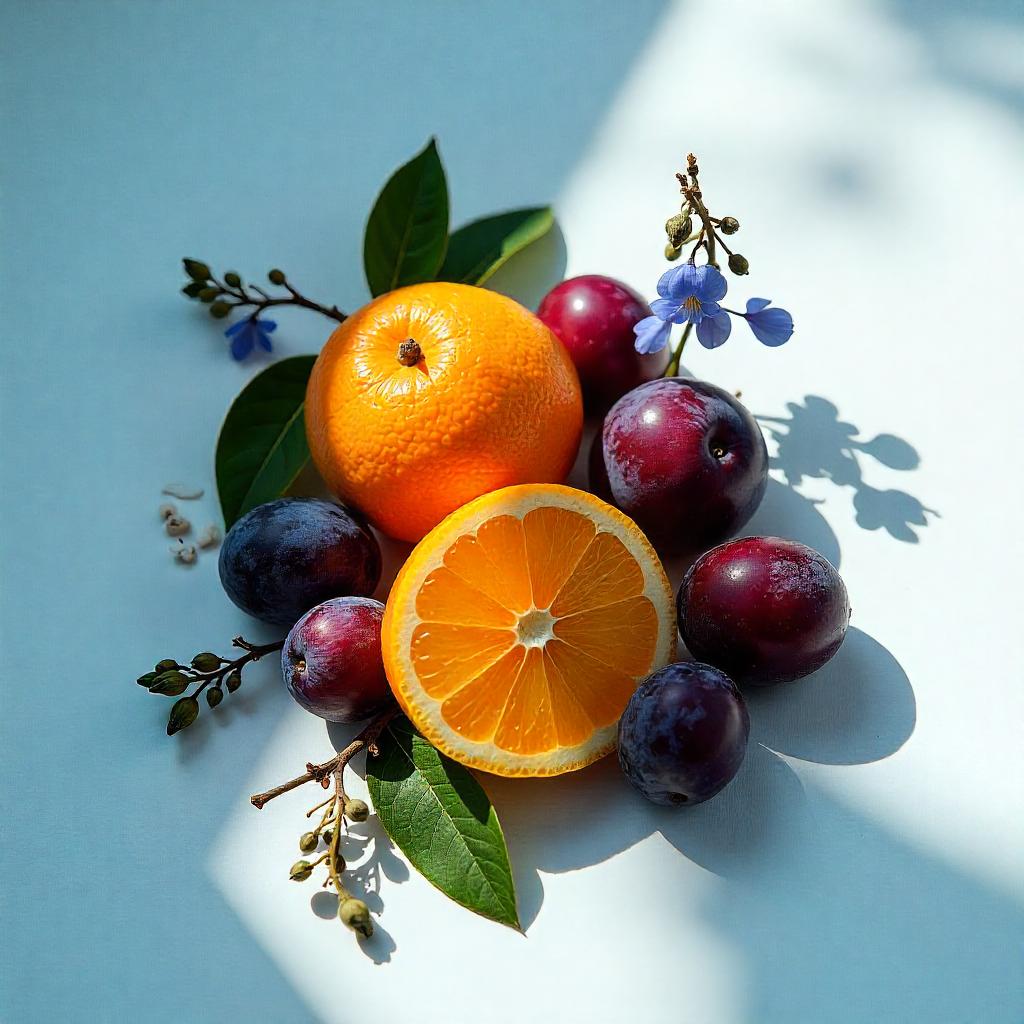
<point x="593" y="317"/>
<point x="282" y="558"/>
<point x="331" y="660"/>
<point x="763" y="609"/>
<point x="683" y="734"/>
<point x="683" y="459"/>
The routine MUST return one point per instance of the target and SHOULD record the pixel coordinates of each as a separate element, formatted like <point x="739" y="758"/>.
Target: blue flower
<point x="691" y="294"/>
<point x="771" y="326"/>
<point x="247" y="334"/>
<point x="651" y="335"/>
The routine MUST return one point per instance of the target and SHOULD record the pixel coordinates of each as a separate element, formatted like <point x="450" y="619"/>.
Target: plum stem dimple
<point x="409" y="352"/>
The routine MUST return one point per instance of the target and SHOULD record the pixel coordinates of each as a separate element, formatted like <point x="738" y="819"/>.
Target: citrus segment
<point x="472" y="710"/>
<point x="446" y="656"/>
<point x="618" y="635"/>
<point x="447" y="597"/>
<point x="555" y="541"/>
<point x="519" y="627"/>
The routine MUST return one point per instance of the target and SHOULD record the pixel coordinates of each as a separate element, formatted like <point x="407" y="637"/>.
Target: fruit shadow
<point x="857" y="709"/>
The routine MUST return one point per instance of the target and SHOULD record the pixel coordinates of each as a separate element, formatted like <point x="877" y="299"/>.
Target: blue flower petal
<point x="710" y="284"/>
<point x="771" y="326"/>
<point x="264" y="340"/>
<point x="714" y="330"/>
<point x="242" y="345"/>
<point x="267" y="326"/>
<point x="651" y="335"/>
<point x="668" y="283"/>
<point x="666" y="309"/>
<point x="236" y="327"/>
<point x="756" y="305"/>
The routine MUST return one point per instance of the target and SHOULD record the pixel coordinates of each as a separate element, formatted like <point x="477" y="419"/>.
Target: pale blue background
<point x="135" y="133"/>
<point x="255" y="134"/>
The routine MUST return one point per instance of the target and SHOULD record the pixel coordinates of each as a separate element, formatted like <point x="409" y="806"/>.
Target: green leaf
<point x="440" y="818"/>
<point x="407" y="231"/>
<point x="477" y="249"/>
<point x="262" y="445"/>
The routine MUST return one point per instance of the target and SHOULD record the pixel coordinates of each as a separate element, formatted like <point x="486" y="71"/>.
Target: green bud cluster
<point x="209" y="672"/>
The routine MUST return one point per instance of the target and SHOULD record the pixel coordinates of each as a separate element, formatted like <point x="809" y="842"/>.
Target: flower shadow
<point x="812" y="441"/>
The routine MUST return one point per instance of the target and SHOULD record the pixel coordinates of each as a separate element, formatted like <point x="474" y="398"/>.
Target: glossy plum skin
<point x="683" y="459"/>
<point x="593" y="317"/>
<point x="763" y="609"/>
<point x="282" y="558"/>
<point x="331" y="660"/>
<point x="683" y="734"/>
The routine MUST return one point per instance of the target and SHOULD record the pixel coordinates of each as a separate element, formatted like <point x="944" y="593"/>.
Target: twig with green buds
<point x="213" y="674"/>
<point x="222" y="295"/>
<point x="336" y="809"/>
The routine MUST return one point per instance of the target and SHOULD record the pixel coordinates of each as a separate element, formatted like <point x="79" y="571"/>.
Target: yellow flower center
<point x="692" y="304"/>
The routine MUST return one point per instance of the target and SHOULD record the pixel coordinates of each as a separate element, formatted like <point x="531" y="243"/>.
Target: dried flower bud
<point x="220" y="309"/>
<point x="208" y="294"/>
<point x="729" y="226"/>
<point x="232" y="279"/>
<point x="307" y="842"/>
<point x="355" y="914"/>
<point x="233" y="680"/>
<point x="177" y="526"/>
<point x="185" y="554"/>
<point x="206" y="662"/>
<point x="169" y="684"/>
<point x="183" y="714"/>
<point x="167" y="510"/>
<point x="328" y="836"/>
<point x="672" y="252"/>
<point x="678" y="229"/>
<point x="147" y="680"/>
<point x="339" y="862"/>
<point x="356" y="810"/>
<point x="738" y="264"/>
<point x="276" y="277"/>
<point x="214" y="695"/>
<point x="301" y="870"/>
<point x="197" y="270"/>
<point x="166" y="665"/>
<point x="210" y="537"/>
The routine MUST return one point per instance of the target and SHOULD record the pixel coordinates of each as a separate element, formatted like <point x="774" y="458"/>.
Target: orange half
<point x="519" y="627"/>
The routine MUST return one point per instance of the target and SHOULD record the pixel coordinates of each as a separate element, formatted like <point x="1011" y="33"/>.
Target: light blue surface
<point x="254" y="135"/>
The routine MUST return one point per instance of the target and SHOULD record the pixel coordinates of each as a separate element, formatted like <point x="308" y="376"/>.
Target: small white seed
<point x="177" y="526"/>
<point x="185" y="554"/>
<point x="210" y="537"/>
<point x="167" y="510"/>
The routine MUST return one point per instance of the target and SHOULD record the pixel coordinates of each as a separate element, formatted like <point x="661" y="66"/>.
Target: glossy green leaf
<point x="262" y="445"/>
<point x="407" y="232"/>
<point x="439" y="817"/>
<point x="479" y="248"/>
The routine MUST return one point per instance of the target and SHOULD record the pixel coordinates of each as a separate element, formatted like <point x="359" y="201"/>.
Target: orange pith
<point x="519" y="628"/>
<point x="488" y="398"/>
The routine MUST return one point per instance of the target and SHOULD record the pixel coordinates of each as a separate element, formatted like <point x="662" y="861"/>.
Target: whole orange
<point x="434" y="394"/>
